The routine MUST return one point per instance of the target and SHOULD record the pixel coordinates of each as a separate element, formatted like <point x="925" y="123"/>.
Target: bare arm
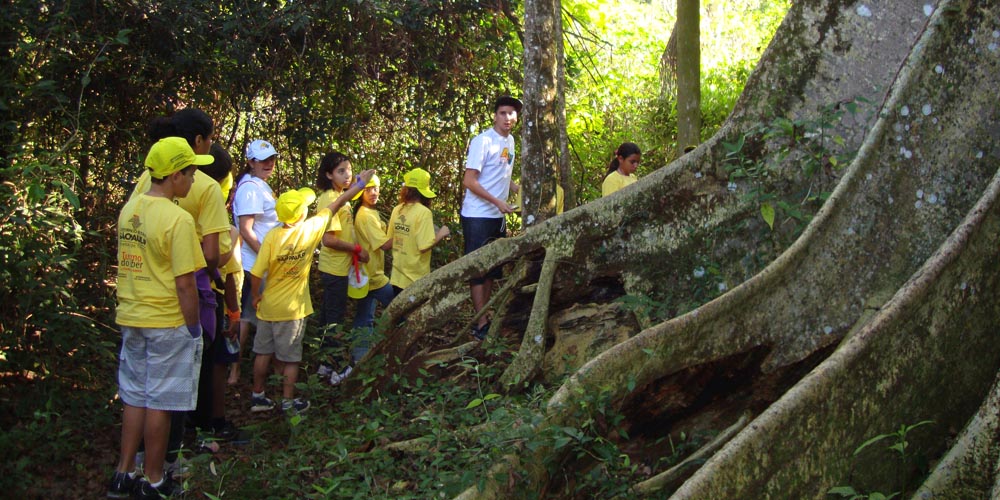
<point x="234" y="235"/>
<point x="232" y="304"/>
<point x="330" y="240"/>
<point x="246" y="232"/>
<point x="210" y="248"/>
<point x="471" y="182"/>
<point x="439" y="235"/>
<point x="187" y="295"/>
<point x="255" y="290"/>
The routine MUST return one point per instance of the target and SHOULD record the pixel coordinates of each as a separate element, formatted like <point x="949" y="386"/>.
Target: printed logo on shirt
<point x="505" y="156"/>
<point x="133" y="233"/>
<point x="401" y="225"/>
<point x="288" y="254"/>
<point x="129" y="263"/>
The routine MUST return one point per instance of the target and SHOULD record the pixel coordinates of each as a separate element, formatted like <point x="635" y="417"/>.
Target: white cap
<point x="260" y="150"/>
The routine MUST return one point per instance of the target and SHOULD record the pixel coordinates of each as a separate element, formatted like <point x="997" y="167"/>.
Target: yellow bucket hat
<point x="292" y="205"/>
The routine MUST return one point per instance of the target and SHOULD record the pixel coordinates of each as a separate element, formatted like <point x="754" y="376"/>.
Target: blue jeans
<point x="364" y="319"/>
<point x="332" y="308"/>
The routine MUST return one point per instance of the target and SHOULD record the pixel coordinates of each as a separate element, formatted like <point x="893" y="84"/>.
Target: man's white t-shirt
<point x="255" y="197"/>
<point x="493" y="156"/>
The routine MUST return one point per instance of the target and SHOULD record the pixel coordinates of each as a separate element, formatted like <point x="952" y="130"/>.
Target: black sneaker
<point x="229" y="433"/>
<point x="122" y="485"/>
<point x="479" y="332"/>
<point x="168" y="488"/>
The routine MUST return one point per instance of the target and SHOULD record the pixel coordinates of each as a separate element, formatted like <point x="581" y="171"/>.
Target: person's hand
<point x="365" y="176"/>
<point x="505" y="208"/>
<point x="234" y="330"/>
<point x="363" y="256"/>
<point x="443" y="232"/>
<point x="256" y="301"/>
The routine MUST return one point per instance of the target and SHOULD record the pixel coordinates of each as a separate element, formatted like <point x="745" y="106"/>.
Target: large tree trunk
<point x="688" y="74"/>
<point x="880" y="314"/>
<point x="543" y="123"/>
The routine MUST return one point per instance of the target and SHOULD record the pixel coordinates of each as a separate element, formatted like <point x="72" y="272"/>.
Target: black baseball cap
<point x="508" y="101"/>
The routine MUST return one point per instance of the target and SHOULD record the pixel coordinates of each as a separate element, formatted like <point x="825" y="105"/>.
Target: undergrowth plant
<point x="813" y="144"/>
<point x="898" y="445"/>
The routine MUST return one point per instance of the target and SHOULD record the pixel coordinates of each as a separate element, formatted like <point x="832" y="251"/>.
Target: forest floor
<point x="77" y="450"/>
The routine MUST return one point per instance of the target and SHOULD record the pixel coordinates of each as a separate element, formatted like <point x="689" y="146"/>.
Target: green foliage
<point x="394" y="83"/>
<point x="812" y="144"/>
<point x="40" y="244"/>
<point x="613" y="54"/>
<point x="899" y="444"/>
<point x="608" y="471"/>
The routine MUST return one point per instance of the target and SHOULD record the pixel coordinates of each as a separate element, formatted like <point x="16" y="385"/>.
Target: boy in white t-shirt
<point x="488" y="181"/>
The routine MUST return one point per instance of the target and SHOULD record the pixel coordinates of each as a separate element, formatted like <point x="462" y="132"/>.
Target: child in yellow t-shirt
<point x="158" y="255"/>
<point x="621" y="169"/>
<point x="371" y="232"/>
<point x="224" y="350"/>
<point x="333" y="177"/>
<point x="285" y="257"/>
<point x="411" y="230"/>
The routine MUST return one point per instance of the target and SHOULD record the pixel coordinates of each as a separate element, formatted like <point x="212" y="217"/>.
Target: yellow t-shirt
<point x="284" y="260"/>
<point x="232" y="266"/>
<point x="371" y="235"/>
<point x="333" y="261"/>
<point x="204" y="202"/>
<point x="615" y="181"/>
<point x="411" y="228"/>
<point x="156" y="243"/>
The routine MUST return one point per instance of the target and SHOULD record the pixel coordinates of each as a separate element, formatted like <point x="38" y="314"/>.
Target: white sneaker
<point x="337" y="378"/>
<point x="324" y="371"/>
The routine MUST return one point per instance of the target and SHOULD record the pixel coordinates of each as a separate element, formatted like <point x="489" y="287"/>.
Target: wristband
<point x="357" y="248"/>
<point x="234" y="316"/>
<point x="194" y="330"/>
<point x="360" y="183"/>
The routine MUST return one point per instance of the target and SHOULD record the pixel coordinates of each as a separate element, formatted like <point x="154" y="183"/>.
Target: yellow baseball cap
<point x="292" y="205"/>
<point x="172" y="154"/>
<point x="374" y="182"/>
<point x="420" y="180"/>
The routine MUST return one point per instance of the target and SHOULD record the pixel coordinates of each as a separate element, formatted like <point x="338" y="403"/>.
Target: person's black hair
<point x="187" y="123"/>
<point x="161" y="180"/>
<point x="625" y="150"/>
<point x="413" y="195"/>
<point x="327" y="164"/>
<point x="222" y="165"/>
<point x="508" y="101"/>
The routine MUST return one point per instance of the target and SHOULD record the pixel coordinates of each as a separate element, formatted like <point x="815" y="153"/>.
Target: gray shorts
<point x="281" y="338"/>
<point x="159" y="367"/>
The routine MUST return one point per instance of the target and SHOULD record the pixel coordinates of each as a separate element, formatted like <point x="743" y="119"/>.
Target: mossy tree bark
<point x="844" y="334"/>
<point x="543" y="123"/>
<point x="688" y="74"/>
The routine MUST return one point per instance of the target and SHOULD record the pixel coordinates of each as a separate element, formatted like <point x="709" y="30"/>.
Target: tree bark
<point x="880" y="314"/>
<point x="543" y="123"/>
<point x="688" y="75"/>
